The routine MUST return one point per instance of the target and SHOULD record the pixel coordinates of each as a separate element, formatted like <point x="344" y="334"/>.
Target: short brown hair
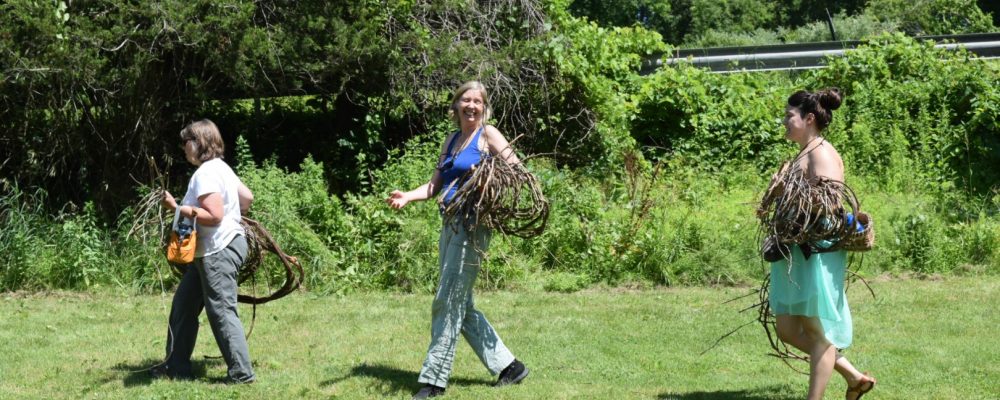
<point x="207" y="139"/>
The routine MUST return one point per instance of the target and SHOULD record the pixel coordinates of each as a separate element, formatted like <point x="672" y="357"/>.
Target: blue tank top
<point x="456" y="165"/>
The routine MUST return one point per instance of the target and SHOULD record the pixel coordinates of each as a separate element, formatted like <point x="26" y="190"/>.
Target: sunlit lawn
<point x="921" y="339"/>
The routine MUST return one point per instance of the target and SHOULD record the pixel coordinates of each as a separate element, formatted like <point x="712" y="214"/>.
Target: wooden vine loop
<point x="797" y="209"/>
<point x="500" y="196"/>
<point x="260" y="240"/>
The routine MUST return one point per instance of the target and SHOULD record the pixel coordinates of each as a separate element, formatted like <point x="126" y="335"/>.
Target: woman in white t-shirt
<point x="215" y="199"/>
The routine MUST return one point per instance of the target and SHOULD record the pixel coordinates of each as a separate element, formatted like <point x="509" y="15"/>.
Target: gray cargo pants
<point x="453" y="310"/>
<point x="210" y="283"/>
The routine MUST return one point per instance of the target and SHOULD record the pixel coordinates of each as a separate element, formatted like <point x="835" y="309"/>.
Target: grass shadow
<point x="396" y="380"/>
<point x="775" y="392"/>
<point x="135" y="374"/>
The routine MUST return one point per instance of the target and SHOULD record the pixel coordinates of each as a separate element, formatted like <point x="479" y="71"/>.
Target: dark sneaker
<point x="429" y="391"/>
<point x="160" y="372"/>
<point x="163" y="372"/>
<point x="512" y="375"/>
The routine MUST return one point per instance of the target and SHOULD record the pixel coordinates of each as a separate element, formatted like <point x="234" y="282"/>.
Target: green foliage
<point x="713" y="22"/>
<point x="911" y="109"/>
<point x="90" y="85"/>
<point x="650" y="179"/>
<point x="710" y="120"/>
<point x="920" y="240"/>
<point x="566" y="282"/>
<point x="731" y="15"/>
<point x="847" y="27"/>
<point x="933" y="17"/>
<point x="398" y="249"/>
<point x="597" y="69"/>
<point x="717" y="38"/>
<point x="69" y="250"/>
<point x="303" y="218"/>
<point x="710" y="23"/>
<point x="685" y="21"/>
<point x="655" y="15"/>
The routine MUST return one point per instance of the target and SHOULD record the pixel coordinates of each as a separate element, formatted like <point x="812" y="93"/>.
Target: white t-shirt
<point x="215" y="176"/>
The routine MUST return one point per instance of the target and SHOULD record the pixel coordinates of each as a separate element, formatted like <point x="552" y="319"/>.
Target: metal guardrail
<point x="801" y="55"/>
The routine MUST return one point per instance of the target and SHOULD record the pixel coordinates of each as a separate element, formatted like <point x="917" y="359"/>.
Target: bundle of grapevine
<point x="501" y="196"/>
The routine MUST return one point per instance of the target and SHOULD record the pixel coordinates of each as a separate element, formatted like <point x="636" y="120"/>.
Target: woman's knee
<point x="812" y="330"/>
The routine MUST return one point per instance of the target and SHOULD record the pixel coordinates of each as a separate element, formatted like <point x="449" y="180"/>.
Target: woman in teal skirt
<point x="807" y="297"/>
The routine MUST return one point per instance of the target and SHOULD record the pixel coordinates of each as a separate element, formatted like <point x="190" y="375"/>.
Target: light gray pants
<point x="210" y="283"/>
<point x="454" y="311"/>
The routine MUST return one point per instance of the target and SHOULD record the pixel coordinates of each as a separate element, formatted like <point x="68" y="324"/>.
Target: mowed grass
<point x="923" y="339"/>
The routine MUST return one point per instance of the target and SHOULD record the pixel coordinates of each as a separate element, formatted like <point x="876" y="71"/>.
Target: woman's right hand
<point x="169" y="201"/>
<point x="397" y="199"/>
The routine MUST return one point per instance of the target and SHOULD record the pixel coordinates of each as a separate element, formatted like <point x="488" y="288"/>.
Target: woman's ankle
<point x="855" y="379"/>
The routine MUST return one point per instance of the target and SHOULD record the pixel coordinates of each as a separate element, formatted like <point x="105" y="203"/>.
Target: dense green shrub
<point x="932" y="17"/>
<point x="909" y="110"/>
<point x="91" y="85"/>
<point x="70" y="250"/>
<point x="925" y="17"/>
<point x="689" y="22"/>
<point x="913" y="111"/>
<point x="711" y="120"/>
<point x="597" y="69"/>
<point x="652" y="179"/>
<point x="712" y="23"/>
<point x="847" y="27"/>
<point x="695" y="228"/>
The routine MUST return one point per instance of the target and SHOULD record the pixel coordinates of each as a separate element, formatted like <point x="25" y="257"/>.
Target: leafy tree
<point x="933" y="17"/>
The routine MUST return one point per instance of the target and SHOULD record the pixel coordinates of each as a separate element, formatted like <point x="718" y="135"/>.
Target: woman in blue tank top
<point x="461" y="251"/>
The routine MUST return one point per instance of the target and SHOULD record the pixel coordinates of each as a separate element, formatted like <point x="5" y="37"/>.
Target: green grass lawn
<point x="922" y="339"/>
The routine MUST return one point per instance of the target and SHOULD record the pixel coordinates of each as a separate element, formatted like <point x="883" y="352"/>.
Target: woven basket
<point x="861" y="241"/>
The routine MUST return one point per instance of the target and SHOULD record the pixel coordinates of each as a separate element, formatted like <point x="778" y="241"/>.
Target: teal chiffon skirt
<point x="814" y="288"/>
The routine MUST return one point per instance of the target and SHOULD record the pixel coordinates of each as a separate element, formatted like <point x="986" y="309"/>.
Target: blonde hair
<point x="467" y="86"/>
<point x="207" y="139"/>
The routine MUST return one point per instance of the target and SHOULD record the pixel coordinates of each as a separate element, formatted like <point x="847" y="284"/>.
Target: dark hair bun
<point x="829" y="98"/>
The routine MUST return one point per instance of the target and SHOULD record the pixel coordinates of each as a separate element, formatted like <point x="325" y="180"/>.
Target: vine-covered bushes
<point x="651" y="178"/>
<point x="711" y="23"/>
<point x="917" y="114"/>
<point x="912" y="114"/>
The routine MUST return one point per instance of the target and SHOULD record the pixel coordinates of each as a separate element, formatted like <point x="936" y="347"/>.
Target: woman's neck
<point x="808" y="140"/>
<point x="469" y="128"/>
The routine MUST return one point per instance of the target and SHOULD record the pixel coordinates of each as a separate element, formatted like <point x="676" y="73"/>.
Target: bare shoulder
<point x="829" y="153"/>
<point x="494" y="139"/>
<point x="492" y="132"/>
<point x="826" y="162"/>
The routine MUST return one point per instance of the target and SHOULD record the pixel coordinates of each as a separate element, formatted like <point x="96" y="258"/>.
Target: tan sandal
<point x="865" y="385"/>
